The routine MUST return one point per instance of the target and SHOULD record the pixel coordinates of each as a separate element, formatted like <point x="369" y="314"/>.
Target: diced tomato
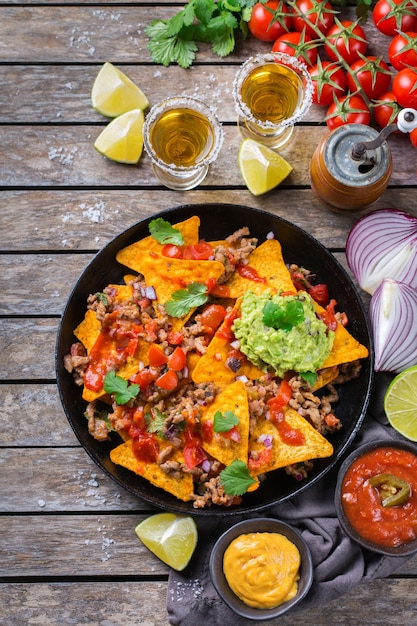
<point x="207" y="431"/>
<point x="151" y="328"/>
<point x="220" y="291"/>
<point x="156" y="356"/>
<point x="145" y="447"/>
<point x="172" y="251"/>
<point x="246" y="271"/>
<point x="328" y="316"/>
<point x="225" y="330"/>
<point x="283" y="396"/>
<point x="144" y="378"/>
<point x="212" y="316"/>
<point x="167" y="381"/>
<point x="198" y="251"/>
<point x="193" y="456"/>
<point x="263" y="458"/>
<point x="233" y="434"/>
<point x="174" y="338"/>
<point x="177" y="360"/>
<point x="320" y="293"/>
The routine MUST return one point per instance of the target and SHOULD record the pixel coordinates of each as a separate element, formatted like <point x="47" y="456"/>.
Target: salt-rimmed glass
<point x="182" y="137"/>
<point x="272" y="92"/>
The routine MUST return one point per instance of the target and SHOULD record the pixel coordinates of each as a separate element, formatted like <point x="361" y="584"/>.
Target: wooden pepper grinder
<point x="352" y="165"/>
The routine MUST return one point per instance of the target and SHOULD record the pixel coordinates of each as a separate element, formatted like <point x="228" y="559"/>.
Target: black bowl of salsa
<point x="376" y="497"/>
<point x="217" y="222"/>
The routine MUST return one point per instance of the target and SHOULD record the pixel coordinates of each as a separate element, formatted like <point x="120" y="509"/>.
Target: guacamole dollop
<point x="282" y="333"/>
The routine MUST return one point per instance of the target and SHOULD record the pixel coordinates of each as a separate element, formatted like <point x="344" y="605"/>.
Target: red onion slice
<point x="393" y="315"/>
<point x="383" y="244"/>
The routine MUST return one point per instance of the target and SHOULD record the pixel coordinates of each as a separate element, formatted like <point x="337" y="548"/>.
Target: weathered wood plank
<point x="59" y="479"/>
<point x="99" y="544"/>
<point x="101" y="33"/>
<point x="42" y="156"/>
<point x="65" y="220"/>
<point x="38" y="411"/>
<point x="130" y="603"/>
<point x="27" y="348"/>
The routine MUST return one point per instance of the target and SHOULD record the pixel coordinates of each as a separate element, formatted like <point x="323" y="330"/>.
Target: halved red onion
<point x="383" y="244"/>
<point x="393" y="315"/>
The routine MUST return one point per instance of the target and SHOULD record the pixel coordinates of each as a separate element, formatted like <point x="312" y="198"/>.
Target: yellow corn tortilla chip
<point x="88" y="330"/>
<point x="131" y="256"/>
<point x="233" y="398"/>
<point x="315" y="446"/>
<point x="345" y="347"/>
<point x="180" y="487"/>
<point x="268" y="261"/>
<point x="212" y="365"/>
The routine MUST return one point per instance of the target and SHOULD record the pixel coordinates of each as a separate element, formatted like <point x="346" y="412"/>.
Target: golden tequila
<point x="182" y="136"/>
<point x="272" y="92"/>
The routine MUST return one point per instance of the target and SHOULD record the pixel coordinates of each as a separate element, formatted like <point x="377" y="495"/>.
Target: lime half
<point x="114" y="93"/>
<point x="262" y="169"/>
<point x="122" y="139"/>
<point x="172" y="538"/>
<point x="400" y="403"/>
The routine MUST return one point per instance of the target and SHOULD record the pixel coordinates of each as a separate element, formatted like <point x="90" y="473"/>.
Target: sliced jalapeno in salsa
<point x="393" y="491"/>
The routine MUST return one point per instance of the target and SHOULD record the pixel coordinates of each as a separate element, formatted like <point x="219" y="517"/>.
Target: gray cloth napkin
<point x="339" y="563"/>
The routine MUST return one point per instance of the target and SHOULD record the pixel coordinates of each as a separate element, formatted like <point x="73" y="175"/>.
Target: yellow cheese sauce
<point x="262" y="569"/>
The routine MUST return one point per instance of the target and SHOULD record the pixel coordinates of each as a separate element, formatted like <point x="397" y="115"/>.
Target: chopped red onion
<point x="150" y="293"/>
<point x="206" y="466"/>
<point x="270" y="235"/>
<point x="266" y="440"/>
<point x="393" y="315"/>
<point x="383" y="244"/>
<point x="243" y="378"/>
<point x="235" y="344"/>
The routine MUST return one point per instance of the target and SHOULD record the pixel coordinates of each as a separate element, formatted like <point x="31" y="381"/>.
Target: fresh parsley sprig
<point x="123" y="392"/>
<point x="236" y="479"/>
<point x="176" y="40"/>
<point x="183" y="300"/>
<point x="164" y="232"/>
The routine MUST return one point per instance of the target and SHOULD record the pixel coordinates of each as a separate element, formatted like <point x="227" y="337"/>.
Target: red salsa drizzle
<point x="246" y="271"/>
<point x="289" y="435"/>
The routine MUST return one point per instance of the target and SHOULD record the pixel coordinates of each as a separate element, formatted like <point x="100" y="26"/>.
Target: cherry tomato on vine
<point x="404" y="85"/>
<point x="297" y="45"/>
<point x="373" y="75"/>
<point x="328" y="78"/>
<point x="391" y="16"/>
<point x="318" y="13"/>
<point x="386" y="109"/>
<point x="402" y="50"/>
<point x="413" y="137"/>
<point x="349" y="39"/>
<point x="261" y="23"/>
<point x="350" y="109"/>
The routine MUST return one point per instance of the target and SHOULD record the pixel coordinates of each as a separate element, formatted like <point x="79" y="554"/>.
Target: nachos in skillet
<point x="166" y="361"/>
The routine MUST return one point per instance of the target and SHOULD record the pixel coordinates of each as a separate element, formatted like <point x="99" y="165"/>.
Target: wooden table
<point x="68" y="553"/>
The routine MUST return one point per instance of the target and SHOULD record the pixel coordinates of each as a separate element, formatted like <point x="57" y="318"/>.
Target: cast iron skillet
<point x="218" y="221"/>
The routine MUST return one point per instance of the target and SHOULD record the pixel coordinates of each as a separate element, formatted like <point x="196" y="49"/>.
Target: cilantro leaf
<point x="223" y="422"/>
<point x="283" y="317"/>
<point x="155" y="422"/>
<point x="183" y="300"/>
<point x="309" y="377"/>
<point x="236" y="479"/>
<point x="101" y="297"/>
<point x="123" y="392"/>
<point x="164" y="232"/>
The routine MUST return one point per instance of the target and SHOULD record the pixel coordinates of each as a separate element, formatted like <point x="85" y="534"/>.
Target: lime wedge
<point x="122" y="139"/>
<point x="262" y="169"/>
<point x="400" y="403"/>
<point x="172" y="538"/>
<point x="114" y="93"/>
